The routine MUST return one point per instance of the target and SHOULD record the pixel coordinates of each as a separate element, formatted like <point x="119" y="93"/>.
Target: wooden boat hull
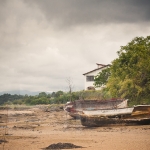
<point x="138" y="115"/>
<point x="98" y="122"/>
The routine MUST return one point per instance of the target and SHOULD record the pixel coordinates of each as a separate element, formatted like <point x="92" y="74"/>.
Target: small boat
<point x="76" y="107"/>
<point x="138" y="115"/>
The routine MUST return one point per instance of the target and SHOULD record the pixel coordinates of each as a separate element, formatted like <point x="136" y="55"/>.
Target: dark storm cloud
<point x="72" y="12"/>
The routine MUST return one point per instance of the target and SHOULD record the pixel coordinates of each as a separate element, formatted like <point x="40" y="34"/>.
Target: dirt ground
<point x="38" y="127"/>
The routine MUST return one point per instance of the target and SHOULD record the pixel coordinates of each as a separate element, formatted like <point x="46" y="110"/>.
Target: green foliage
<point x="19" y="101"/>
<point x="8" y="97"/>
<point x="58" y="93"/>
<point x="42" y="94"/>
<point x="39" y="100"/>
<point x="59" y="97"/>
<point x="102" y="78"/>
<point x="53" y="94"/>
<point x="130" y="73"/>
<point x="90" y="95"/>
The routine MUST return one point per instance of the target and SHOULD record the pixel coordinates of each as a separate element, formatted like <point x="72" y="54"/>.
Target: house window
<point x="89" y="78"/>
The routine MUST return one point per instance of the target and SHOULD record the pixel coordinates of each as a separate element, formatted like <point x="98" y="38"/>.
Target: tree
<point x="42" y="94"/>
<point x="70" y="86"/>
<point x="102" y="78"/>
<point x="130" y="73"/>
<point x="53" y="94"/>
<point x="58" y="93"/>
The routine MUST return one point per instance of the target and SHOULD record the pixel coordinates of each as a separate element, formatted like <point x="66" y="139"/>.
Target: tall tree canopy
<point x="130" y="72"/>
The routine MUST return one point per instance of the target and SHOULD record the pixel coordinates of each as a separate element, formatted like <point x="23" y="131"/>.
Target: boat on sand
<point x="76" y="107"/>
<point x="137" y="115"/>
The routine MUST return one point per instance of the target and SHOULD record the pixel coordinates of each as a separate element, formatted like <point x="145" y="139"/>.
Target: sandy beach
<point x="38" y="127"/>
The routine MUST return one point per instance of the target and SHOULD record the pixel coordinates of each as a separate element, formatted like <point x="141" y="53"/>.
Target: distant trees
<point x="41" y="98"/>
<point x="130" y="73"/>
<point x="42" y="94"/>
<point x="59" y="97"/>
<point x="9" y="98"/>
<point x="59" y="93"/>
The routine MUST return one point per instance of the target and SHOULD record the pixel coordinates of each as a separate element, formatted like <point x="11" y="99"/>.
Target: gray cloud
<point x="69" y="13"/>
<point x="42" y="43"/>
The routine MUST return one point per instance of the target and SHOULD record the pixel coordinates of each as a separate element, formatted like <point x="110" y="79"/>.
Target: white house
<point x="89" y="76"/>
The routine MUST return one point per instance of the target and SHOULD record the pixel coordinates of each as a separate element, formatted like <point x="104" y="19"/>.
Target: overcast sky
<point x="45" y="42"/>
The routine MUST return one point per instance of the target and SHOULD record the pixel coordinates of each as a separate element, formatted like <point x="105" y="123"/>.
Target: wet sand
<point x="37" y="128"/>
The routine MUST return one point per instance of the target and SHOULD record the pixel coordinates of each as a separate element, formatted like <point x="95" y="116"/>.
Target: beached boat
<point x="76" y="107"/>
<point x="138" y="115"/>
